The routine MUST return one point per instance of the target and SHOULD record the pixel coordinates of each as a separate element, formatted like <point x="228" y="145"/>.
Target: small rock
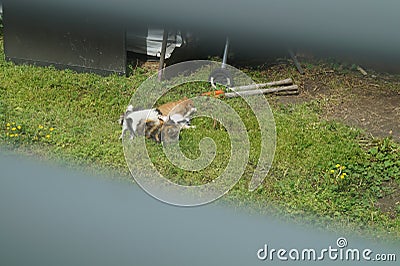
<point x="362" y="71"/>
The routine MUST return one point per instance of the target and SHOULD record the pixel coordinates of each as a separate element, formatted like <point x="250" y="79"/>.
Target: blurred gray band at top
<point x="363" y="26"/>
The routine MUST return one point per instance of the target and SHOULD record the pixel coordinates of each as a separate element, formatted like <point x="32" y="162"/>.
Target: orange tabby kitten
<point x="183" y="107"/>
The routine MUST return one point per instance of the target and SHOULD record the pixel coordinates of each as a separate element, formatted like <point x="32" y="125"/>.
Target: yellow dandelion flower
<point x="332" y="171"/>
<point x="11" y="135"/>
<point x="8" y="128"/>
<point x="47" y="136"/>
<point x="19" y="127"/>
<point x="342" y="176"/>
<point x="338" y="165"/>
<point x="8" y="125"/>
<point x="40" y="127"/>
<point x="343" y="167"/>
<point x="14" y="128"/>
<point x="16" y="135"/>
<point x="51" y="129"/>
<point x="13" y="123"/>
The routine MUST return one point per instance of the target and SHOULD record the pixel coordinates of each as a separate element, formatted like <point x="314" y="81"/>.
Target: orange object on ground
<point x="213" y="93"/>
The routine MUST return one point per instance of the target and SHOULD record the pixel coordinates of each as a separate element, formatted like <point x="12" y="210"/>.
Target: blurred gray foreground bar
<point x="53" y="216"/>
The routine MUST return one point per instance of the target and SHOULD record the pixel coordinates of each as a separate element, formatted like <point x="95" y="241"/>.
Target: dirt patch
<point x="370" y="102"/>
<point x="376" y="111"/>
<point x="390" y="203"/>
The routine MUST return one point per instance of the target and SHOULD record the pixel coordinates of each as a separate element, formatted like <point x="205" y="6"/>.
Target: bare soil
<point x="370" y="102"/>
<point x="391" y="202"/>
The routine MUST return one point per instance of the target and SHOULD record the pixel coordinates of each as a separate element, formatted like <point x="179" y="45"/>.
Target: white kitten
<point x="182" y="121"/>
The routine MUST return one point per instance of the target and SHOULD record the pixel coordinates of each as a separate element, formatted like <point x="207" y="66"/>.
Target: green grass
<point x="73" y="117"/>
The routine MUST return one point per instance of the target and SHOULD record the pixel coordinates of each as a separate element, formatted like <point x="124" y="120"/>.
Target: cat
<point x="169" y="132"/>
<point x="131" y="119"/>
<point x="162" y="131"/>
<point x="184" y="122"/>
<point x="184" y="107"/>
<point x="179" y="111"/>
<point x="160" y="124"/>
<point x="150" y="129"/>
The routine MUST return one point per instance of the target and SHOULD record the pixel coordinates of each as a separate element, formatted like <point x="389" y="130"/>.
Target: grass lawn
<point x="324" y="172"/>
